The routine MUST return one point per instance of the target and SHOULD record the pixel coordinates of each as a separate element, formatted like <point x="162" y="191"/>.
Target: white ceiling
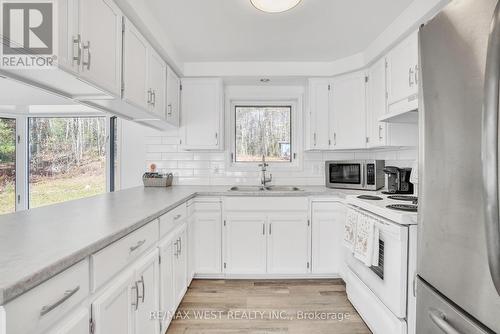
<point x="233" y="30"/>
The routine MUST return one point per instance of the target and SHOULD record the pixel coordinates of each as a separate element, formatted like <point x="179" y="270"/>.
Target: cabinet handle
<point x="137" y="246"/>
<point x="380" y="132"/>
<point x="176" y="244"/>
<point x="180" y="246"/>
<point x="410" y="75"/>
<point x="270" y="228"/>
<point x="263" y="229"/>
<point x="149" y="96"/>
<point x="334" y="139"/>
<point x="314" y="139"/>
<point x="136" y="288"/>
<point x="67" y="295"/>
<point x="89" y="56"/>
<point x="216" y="138"/>
<point x="177" y="217"/>
<point x="416" y="74"/>
<point x="153" y="96"/>
<point x="78" y="41"/>
<point x="169" y="112"/>
<point x="143" y="289"/>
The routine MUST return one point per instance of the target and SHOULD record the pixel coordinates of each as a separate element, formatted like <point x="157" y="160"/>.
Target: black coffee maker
<point x="398" y="180"/>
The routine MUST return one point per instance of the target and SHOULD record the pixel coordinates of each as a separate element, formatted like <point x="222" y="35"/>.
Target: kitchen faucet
<point x="263" y="168"/>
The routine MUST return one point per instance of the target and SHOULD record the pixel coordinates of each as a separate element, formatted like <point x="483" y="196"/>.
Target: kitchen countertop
<point x="37" y="244"/>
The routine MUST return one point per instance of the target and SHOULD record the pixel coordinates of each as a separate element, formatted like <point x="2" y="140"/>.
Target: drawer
<point x="286" y="204"/>
<point x="172" y="218"/>
<point x="109" y="261"/>
<point x="44" y="305"/>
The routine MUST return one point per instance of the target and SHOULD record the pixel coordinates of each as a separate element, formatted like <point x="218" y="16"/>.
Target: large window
<point x="7" y="165"/>
<point x="67" y="159"/>
<point x="263" y="131"/>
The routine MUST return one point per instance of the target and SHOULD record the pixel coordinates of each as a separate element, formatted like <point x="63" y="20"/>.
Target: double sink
<point x="267" y="188"/>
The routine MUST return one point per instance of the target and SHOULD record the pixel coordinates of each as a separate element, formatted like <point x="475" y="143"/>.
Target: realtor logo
<point x="28" y="33"/>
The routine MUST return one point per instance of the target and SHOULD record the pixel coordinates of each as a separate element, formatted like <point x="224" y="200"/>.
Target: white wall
<point x="142" y="146"/>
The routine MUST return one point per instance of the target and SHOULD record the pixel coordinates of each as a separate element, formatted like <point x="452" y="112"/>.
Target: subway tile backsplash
<point x="209" y="168"/>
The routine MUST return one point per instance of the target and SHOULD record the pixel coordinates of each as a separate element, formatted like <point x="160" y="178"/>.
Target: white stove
<point x="380" y="207"/>
<point x="384" y="295"/>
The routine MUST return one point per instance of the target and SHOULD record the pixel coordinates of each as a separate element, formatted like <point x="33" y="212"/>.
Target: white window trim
<point x="22" y="144"/>
<point x="265" y="96"/>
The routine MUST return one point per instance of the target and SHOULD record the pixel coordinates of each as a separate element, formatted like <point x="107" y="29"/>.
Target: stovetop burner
<point x="370" y="197"/>
<point x="403" y="207"/>
<point x="403" y="198"/>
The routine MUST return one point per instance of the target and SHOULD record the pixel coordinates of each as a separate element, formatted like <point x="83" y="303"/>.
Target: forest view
<point x="263" y="130"/>
<point x="66" y="160"/>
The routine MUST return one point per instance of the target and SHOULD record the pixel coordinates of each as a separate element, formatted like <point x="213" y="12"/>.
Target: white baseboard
<point x="267" y="276"/>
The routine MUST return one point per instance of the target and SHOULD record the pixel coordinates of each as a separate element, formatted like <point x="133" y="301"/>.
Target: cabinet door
<point x="146" y="276"/>
<point x="201" y="113"/>
<point x="377" y="104"/>
<point x="319" y="108"/>
<point x="68" y="35"/>
<point x="113" y="310"/>
<point x="167" y="294"/>
<point x="206" y="229"/>
<point x="75" y="323"/>
<point x="288" y="247"/>
<point x="135" y="73"/>
<point x="402" y="68"/>
<point x="173" y="97"/>
<point x="157" y="83"/>
<point x="327" y="238"/>
<point x="101" y="31"/>
<point x="349" y="111"/>
<point x="245" y="245"/>
<point x="180" y="267"/>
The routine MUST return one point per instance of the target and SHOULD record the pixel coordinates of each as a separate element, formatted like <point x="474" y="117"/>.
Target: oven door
<point x="389" y="280"/>
<point x="348" y="175"/>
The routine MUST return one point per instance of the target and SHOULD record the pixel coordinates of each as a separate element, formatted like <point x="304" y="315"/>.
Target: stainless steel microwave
<point x="356" y="174"/>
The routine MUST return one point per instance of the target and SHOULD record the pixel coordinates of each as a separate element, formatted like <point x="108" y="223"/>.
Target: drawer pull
<point x="177" y="217"/>
<point x="138" y="245"/>
<point x="67" y="295"/>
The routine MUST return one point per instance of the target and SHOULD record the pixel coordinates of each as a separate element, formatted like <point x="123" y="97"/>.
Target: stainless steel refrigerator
<point x="458" y="289"/>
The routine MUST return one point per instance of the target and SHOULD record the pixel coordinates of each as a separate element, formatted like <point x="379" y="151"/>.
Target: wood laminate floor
<point x="269" y="306"/>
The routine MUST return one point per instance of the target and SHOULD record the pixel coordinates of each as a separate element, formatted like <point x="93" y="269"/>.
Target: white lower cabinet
<point x="112" y="311"/>
<point x="327" y="237"/>
<point x="173" y="273"/>
<point x="125" y="305"/>
<point x="205" y="238"/>
<point x="245" y="244"/>
<point x="288" y="245"/>
<point x="75" y="323"/>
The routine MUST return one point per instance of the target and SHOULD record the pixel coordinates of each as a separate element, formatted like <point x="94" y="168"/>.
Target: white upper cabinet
<point x="101" y="44"/>
<point x="202" y="108"/>
<point x="145" y="74"/>
<point x="173" y="97"/>
<point x="135" y="67"/>
<point x="384" y="134"/>
<point x="319" y="114"/>
<point x="349" y="111"/>
<point x="402" y="75"/>
<point x="157" y="84"/>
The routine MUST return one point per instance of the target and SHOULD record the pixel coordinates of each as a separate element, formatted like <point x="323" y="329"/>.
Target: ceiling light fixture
<point x="274" y="6"/>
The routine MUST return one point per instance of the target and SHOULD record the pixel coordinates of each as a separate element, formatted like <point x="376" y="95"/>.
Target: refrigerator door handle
<point x="489" y="148"/>
<point x="439" y="319"/>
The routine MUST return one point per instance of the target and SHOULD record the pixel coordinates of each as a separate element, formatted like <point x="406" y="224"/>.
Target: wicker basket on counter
<point x="157" y="180"/>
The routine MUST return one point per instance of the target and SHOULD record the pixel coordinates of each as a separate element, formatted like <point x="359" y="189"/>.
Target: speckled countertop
<point x="36" y="245"/>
